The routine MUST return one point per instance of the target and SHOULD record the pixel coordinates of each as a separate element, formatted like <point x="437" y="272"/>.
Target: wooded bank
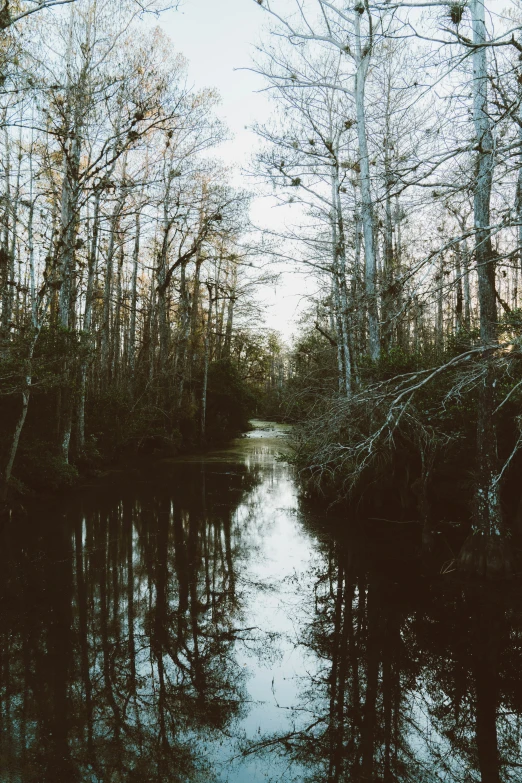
<point x="126" y="269"/>
<point x="128" y="264"/>
<point x="397" y="141"/>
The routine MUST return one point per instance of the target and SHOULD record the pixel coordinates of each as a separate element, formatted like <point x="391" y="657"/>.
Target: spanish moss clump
<point x="456" y="12"/>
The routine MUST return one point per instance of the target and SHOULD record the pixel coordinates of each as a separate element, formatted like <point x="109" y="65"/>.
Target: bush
<point x="121" y="427"/>
<point x="41" y="470"/>
<point x="229" y="401"/>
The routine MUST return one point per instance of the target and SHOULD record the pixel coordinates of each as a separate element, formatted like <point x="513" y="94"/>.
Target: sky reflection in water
<point x="197" y="623"/>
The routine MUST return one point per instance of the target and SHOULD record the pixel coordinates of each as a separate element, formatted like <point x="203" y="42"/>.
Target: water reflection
<point x="417" y="679"/>
<point x="197" y="624"/>
<point x="117" y="627"/>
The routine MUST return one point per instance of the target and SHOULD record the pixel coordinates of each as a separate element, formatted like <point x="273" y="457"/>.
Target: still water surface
<point x="197" y="622"/>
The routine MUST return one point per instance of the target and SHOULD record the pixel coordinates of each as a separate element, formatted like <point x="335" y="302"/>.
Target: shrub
<point x="42" y="470"/>
<point x="229" y="401"/>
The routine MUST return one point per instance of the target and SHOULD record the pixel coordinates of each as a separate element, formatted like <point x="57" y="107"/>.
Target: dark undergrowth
<point x="121" y="428"/>
<point x="403" y="446"/>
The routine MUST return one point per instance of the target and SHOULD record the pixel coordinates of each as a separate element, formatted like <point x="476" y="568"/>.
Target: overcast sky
<point x="217" y="37"/>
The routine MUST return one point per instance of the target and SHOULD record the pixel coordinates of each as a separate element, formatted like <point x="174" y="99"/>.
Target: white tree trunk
<point x="485" y="550"/>
<point x="134" y="302"/>
<point x="362" y="63"/>
<point x="339" y="271"/>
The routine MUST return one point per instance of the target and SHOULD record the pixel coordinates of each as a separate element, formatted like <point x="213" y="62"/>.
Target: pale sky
<point x="217" y="37"/>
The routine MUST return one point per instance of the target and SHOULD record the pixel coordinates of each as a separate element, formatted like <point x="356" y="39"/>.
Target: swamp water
<point x="197" y="622"/>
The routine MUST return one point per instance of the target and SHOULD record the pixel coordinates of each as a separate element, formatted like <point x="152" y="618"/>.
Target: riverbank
<point x="136" y="466"/>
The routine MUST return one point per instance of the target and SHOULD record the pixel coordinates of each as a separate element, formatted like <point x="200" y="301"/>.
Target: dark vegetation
<point x="119" y="427"/>
<point x="127" y="276"/>
<point x="406" y="377"/>
<point x="403" y="446"/>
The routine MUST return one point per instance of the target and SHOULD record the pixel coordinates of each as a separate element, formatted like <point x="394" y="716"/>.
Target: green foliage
<point x="315" y="373"/>
<point x="118" y="423"/>
<point x="122" y="428"/>
<point x="230" y="402"/>
<point x="512" y="323"/>
<point x="413" y="449"/>
<point x="396" y="361"/>
<point x="40" y="469"/>
<point x="463" y="340"/>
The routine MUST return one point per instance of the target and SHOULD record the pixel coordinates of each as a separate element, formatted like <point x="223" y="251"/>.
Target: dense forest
<point x="126" y="270"/>
<point x="396" y="139"/>
<point x="236" y="548"/>
<point x="129" y="265"/>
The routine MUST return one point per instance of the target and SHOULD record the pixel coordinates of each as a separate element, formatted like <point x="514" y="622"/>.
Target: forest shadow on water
<point x="200" y="622"/>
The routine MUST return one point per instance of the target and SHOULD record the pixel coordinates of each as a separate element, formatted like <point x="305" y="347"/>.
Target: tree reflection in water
<point x="417" y="679"/>
<point x="116" y="632"/>
<point x="138" y="643"/>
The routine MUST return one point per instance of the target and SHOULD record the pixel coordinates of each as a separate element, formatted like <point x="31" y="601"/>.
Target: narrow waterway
<point x="197" y="622"/>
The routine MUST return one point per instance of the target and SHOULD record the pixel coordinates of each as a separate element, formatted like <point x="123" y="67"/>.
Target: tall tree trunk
<point x="519" y="204"/>
<point x="77" y="97"/>
<point x="116" y="337"/>
<point x="184" y="333"/>
<point x="227" y="345"/>
<point x="26" y="392"/>
<point x="439" y="324"/>
<point x="362" y="64"/>
<point x="69" y="224"/>
<point x="133" y="304"/>
<point x="16" y="438"/>
<point x="459" y="303"/>
<point x="8" y="272"/>
<point x="106" y="368"/>
<point x="221" y="303"/>
<point x="11" y="288"/>
<point x="336" y="298"/>
<point x="340" y="266"/>
<point x="388" y="294"/>
<point x="162" y="293"/>
<point x="485" y="551"/>
<point x="206" y="361"/>
<point x="87" y="320"/>
<point x="467" y="285"/>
